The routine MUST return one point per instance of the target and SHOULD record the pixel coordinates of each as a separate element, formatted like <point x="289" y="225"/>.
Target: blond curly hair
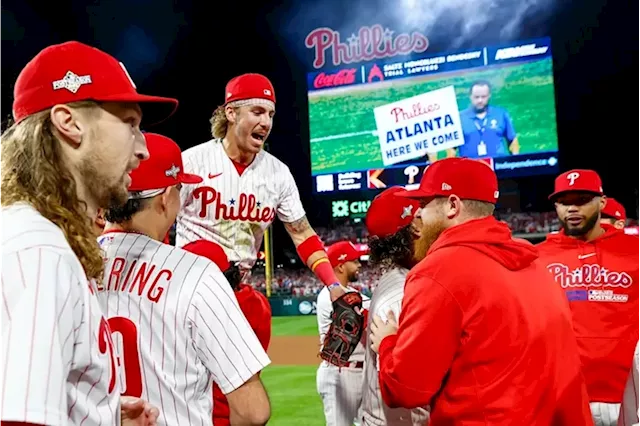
<point x="219" y="123"/>
<point x="33" y="171"/>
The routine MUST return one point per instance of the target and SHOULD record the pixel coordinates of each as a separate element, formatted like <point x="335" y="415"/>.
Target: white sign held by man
<point x="412" y="127"/>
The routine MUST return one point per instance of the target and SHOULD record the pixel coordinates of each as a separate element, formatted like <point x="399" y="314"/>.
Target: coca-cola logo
<point x="246" y="208"/>
<point x="374" y="42"/>
<point x="340" y="78"/>
<point x="591" y="275"/>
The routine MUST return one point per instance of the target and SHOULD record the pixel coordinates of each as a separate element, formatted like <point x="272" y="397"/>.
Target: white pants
<point x="604" y="414"/>
<point x="341" y="393"/>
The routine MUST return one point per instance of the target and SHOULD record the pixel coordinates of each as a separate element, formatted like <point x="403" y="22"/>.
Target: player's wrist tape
<point x="333" y="285"/>
<point x="309" y="246"/>
<point x="325" y="273"/>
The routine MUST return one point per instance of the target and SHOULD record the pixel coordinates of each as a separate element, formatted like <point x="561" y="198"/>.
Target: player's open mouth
<point x="258" y="137"/>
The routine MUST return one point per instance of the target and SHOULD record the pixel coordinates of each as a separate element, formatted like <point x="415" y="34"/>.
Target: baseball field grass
<point x="292" y="388"/>
<point x="341" y="121"/>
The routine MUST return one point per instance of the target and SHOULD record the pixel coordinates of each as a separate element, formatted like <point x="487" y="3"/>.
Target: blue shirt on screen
<point x="495" y="130"/>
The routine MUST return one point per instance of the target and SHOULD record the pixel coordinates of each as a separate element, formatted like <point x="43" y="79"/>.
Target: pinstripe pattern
<point x="190" y="329"/>
<point x="629" y="412"/>
<point x="221" y="208"/>
<point x="56" y="365"/>
<point x="387" y="296"/>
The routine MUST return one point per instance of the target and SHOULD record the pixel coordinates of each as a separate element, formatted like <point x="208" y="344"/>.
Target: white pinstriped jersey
<point x="387" y="296"/>
<point x="234" y="210"/>
<point x="324" y="309"/>
<point x="57" y="354"/>
<point x="176" y="327"/>
<point x="629" y="412"/>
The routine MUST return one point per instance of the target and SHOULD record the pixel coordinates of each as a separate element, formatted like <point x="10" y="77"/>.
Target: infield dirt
<point x="294" y="350"/>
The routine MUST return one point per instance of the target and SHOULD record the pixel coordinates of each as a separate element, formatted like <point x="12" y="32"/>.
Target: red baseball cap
<point x="341" y="252"/>
<point x="211" y="251"/>
<point x="468" y="179"/>
<point x="249" y="86"/>
<point x="72" y="72"/>
<point x="162" y="170"/>
<point x="578" y="180"/>
<point x="614" y="209"/>
<point x="388" y="214"/>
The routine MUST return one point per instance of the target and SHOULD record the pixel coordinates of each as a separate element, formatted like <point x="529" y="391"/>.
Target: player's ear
<point x="231" y="113"/>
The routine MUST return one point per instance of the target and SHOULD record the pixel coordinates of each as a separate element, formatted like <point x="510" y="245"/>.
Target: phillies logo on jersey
<point x="246" y="208"/>
<point x="591" y="275"/>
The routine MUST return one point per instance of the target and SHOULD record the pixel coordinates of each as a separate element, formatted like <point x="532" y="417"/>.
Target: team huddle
<point x="104" y="322"/>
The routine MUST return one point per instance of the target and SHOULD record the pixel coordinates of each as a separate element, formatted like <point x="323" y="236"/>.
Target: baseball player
<point x="596" y="266"/>
<point x="254" y="306"/>
<point x="176" y="324"/>
<point x="340" y="387"/>
<point x="393" y="227"/>
<point x="244" y="186"/>
<point x="485" y="336"/>
<point x="613" y="214"/>
<point x="75" y="139"/>
<point x="629" y="411"/>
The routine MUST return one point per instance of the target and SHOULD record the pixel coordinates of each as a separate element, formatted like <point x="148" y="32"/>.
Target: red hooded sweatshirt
<point x="485" y="336"/>
<point x="256" y="308"/>
<point x="600" y="280"/>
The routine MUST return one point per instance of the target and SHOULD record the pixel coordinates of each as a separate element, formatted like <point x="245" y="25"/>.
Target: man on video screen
<point x="488" y="129"/>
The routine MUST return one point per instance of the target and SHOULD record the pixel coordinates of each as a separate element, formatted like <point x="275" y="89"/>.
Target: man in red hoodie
<point x="596" y="265"/>
<point x="485" y="336"/>
<point x="254" y="306"/>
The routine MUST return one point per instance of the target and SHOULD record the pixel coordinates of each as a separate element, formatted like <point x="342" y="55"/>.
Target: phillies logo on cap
<point x="267" y="92"/>
<point x="72" y="82"/>
<point x="573" y="177"/>
<point x="173" y="171"/>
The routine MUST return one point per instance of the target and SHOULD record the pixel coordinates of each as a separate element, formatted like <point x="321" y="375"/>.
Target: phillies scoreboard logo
<point x="368" y="43"/>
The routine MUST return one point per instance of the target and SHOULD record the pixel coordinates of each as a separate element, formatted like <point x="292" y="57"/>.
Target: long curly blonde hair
<point x="34" y="172"/>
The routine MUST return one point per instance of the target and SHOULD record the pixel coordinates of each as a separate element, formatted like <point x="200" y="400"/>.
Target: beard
<point x="589" y="223"/>
<point x="106" y="194"/>
<point x="353" y="277"/>
<point x="428" y="235"/>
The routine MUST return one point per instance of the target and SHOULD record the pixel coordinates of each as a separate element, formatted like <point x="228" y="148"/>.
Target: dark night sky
<point x="189" y="50"/>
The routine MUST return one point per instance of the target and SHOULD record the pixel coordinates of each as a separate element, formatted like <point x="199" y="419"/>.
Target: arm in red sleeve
<point x="414" y="362"/>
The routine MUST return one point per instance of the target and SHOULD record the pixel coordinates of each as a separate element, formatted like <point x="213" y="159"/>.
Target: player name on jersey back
<point x="176" y="327"/>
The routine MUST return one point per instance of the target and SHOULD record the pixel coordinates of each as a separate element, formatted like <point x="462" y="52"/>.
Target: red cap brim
<point x="555" y="194"/>
<point x="415" y="194"/>
<point x="155" y="109"/>
<point x="189" y="178"/>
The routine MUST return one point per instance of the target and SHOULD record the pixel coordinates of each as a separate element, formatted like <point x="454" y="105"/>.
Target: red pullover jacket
<point x="484" y="336"/>
<point x="600" y="280"/>
<point x="256" y="308"/>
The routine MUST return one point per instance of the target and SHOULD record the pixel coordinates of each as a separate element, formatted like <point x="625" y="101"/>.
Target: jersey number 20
<point x="129" y="355"/>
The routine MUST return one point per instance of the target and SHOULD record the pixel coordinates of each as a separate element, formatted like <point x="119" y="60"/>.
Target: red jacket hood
<point x="493" y="239"/>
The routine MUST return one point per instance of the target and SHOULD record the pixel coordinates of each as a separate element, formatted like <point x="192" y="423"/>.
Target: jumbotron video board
<point x="382" y="107"/>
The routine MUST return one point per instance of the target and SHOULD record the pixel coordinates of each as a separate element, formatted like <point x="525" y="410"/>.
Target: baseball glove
<point x="346" y="329"/>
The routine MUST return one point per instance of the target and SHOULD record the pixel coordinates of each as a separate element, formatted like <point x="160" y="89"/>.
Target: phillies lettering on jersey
<point x="176" y="327"/>
<point x="234" y="210"/>
<point x="588" y="275"/>
<point x="57" y="351"/>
